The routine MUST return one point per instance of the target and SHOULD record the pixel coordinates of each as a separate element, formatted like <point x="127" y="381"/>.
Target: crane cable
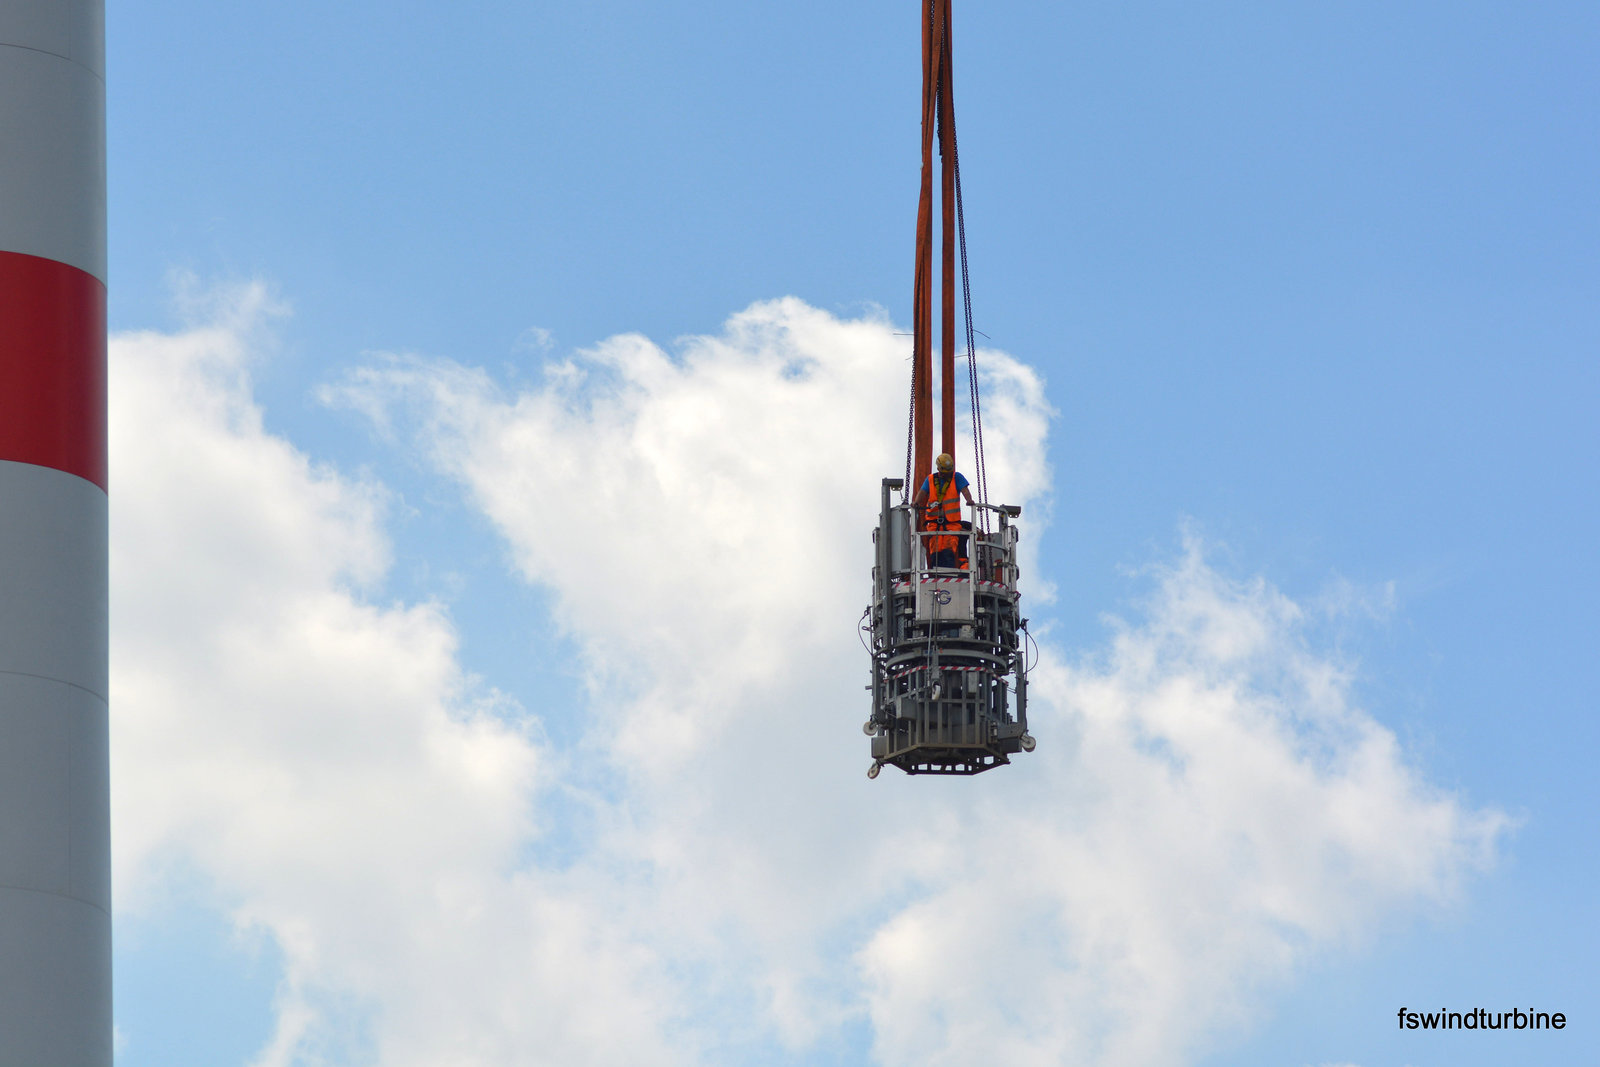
<point x="979" y="459"/>
<point x="981" y="469"/>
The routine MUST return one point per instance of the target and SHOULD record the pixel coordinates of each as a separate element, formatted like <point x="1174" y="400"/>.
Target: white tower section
<point x="55" y="877"/>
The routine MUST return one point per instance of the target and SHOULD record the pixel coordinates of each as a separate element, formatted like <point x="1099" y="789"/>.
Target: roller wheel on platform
<point x="872" y="771"/>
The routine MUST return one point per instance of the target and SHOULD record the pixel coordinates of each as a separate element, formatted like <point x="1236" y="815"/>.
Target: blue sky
<point x="424" y="314"/>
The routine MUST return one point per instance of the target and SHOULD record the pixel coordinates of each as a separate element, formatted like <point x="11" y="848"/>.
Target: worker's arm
<point x="968" y="494"/>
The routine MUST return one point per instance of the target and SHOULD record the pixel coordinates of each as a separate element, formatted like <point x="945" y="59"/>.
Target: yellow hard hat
<point x="945" y="462"/>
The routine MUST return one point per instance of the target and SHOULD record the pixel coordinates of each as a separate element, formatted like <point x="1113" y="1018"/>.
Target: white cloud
<point x="320" y="758"/>
<point x="1213" y="810"/>
<point x="1205" y="810"/>
<point x="534" y="339"/>
<point x="693" y="507"/>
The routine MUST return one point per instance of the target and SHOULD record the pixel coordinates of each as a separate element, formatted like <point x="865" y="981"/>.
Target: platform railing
<point x="980" y="550"/>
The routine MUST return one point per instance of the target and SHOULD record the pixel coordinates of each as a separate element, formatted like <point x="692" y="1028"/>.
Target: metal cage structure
<point x="947" y="647"/>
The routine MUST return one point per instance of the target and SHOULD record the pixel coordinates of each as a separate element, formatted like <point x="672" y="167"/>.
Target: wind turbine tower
<point x="55" y="840"/>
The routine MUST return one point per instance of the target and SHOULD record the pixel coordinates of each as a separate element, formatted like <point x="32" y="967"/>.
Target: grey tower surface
<point x="55" y="877"/>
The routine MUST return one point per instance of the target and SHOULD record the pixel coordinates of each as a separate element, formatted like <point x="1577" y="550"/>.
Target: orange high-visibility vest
<point x="943" y="512"/>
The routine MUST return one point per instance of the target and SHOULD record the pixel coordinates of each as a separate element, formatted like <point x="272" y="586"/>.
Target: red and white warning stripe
<point x="902" y="672"/>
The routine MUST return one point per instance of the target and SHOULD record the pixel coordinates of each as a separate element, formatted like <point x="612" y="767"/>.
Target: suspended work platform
<point x="946" y="641"/>
<point x="947" y="646"/>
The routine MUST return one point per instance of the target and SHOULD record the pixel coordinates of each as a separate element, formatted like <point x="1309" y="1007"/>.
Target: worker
<point x="942" y="511"/>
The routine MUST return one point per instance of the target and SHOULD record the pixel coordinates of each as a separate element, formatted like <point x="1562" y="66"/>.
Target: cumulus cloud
<point x="1206" y="809"/>
<point x="1207" y="806"/>
<point x="1214" y="810"/>
<point x="690" y="510"/>
<point x="317" y="755"/>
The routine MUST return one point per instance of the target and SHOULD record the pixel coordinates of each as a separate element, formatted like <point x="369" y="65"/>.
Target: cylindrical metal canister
<point x="899" y="541"/>
<point x="55" y="845"/>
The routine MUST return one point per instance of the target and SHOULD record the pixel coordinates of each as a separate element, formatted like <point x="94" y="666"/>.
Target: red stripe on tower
<point x="52" y="366"/>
